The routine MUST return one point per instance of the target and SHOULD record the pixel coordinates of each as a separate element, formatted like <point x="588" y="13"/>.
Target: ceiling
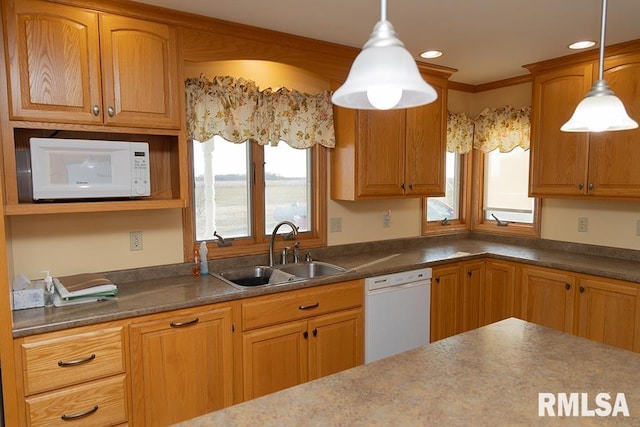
<point x="486" y="40"/>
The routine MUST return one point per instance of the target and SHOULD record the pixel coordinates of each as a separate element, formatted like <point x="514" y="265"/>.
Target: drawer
<point x="98" y="403"/>
<point x="65" y="360"/>
<point x="300" y="304"/>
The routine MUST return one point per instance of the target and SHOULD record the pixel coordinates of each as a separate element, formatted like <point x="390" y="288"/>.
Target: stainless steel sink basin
<point x="252" y="276"/>
<point x="309" y="270"/>
<point x="256" y="275"/>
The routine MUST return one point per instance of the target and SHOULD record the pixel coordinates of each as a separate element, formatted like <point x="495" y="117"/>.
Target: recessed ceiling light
<point x="429" y="54"/>
<point x="583" y="44"/>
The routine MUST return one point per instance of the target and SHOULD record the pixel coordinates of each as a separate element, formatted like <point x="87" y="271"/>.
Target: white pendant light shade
<point x="598" y="112"/>
<point x="384" y="75"/>
<point x="601" y="110"/>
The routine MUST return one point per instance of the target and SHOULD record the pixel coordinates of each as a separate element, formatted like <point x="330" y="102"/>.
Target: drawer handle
<point x="183" y="324"/>
<point x="308" y="307"/>
<point x="71" y="417"/>
<point x="64" y="364"/>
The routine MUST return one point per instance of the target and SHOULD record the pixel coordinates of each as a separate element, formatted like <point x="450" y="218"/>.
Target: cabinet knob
<point x="437" y="280"/>
<point x="402" y="185"/>
<point x="111" y="111"/>
<point x="305" y="334"/>
<point x="469" y="273"/>
<point x="315" y="332"/>
<point x="567" y="286"/>
<point x="410" y="186"/>
<point x="95" y="110"/>
<point x="590" y="186"/>
<point x="582" y="289"/>
<point x="580" y="186"/>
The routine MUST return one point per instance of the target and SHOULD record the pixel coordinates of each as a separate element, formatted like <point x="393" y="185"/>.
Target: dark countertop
<point x="164" y="288"/>
<point x="485" y="377"/>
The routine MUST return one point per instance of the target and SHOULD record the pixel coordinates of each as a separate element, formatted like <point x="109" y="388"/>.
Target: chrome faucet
<point x="294" y="232"/>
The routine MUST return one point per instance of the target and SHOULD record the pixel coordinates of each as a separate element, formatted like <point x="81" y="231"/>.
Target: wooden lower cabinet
<point x="74" y="377"/>
<point x="548" y="297"/>
<point x="287" y="353"/>
<point x="498" y="294"/>
<point x="445" y="297"/>
<point x="181" y="365"/>
<point x="609" y="312"/>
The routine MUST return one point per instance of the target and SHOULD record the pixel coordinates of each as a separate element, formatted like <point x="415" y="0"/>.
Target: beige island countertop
<point x="488" y="376"/>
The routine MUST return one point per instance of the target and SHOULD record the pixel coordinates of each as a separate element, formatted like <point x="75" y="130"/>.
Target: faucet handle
<point x="307" y="256"/>
<point x="296" y="249"/>
<point x="285" y="251"/>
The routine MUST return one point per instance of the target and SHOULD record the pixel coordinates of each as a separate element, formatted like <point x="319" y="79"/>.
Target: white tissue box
<point x="28" y="298"/>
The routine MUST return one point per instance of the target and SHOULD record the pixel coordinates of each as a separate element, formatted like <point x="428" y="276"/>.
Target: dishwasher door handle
<point x="393" y="288"/>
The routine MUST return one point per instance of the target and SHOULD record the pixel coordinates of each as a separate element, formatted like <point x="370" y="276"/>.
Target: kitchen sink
<point x="311" y="269"/>
<point x="253" y="276"/>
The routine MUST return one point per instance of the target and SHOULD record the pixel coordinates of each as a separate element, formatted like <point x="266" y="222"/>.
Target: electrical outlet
<point x="135" y="241"/>
<point x="335" y="225"/>
<point x="386" y="222"/>
<point x="638" y="227"/>
<point x="583" y="224"/>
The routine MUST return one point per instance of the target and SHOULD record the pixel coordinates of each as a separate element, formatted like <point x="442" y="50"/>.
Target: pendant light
<point x="600" y="110"/>
<point x="384" y="75"/>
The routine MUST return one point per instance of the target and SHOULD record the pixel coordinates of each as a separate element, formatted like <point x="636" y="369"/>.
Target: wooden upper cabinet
<point x="54" y="63"/>
<point x="425" y="149"/>
<point x="139" y="72"/>
<point x="583" y="164"/>
<point x="614" y="156"/>
<point x="392" y="153"/>
<point x="558" y="159"/>
<point x="71" y="65"/>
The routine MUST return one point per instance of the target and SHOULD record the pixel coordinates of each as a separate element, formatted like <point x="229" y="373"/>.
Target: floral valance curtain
<point x="502" y="128"/>
<point x="235" y="109"/>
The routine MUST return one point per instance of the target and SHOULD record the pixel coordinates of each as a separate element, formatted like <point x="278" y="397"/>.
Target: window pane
<point x="222" y="201"/>
<point x="506" y="178"/>
<point x="439" y="208"/>
<point x="287" y="186"/>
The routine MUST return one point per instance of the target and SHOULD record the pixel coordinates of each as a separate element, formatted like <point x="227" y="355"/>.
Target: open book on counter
<point x="82" y="288"/>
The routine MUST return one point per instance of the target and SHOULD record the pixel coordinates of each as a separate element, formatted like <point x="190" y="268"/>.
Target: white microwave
<point x="88" y="169"/>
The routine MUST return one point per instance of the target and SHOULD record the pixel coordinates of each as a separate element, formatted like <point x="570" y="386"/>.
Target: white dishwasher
<point x="397" y="308"/>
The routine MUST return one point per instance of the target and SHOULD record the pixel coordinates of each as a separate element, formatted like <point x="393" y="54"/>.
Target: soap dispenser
<point x="48" y="289"/>
<point x="204" y="265"/>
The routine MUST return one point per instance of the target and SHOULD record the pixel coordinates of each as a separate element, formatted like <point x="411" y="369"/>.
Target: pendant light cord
<point x="602" y="32"/>
<point x="383" y="10"/>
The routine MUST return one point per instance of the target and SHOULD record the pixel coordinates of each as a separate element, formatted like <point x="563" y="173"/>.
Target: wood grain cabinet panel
<point x="498" y="296"/>
<point x="181" y="365"/>
<point x="72" y="65"/>
<point x="445" y="299"/>
<point x="392" y="153"/>
<point x="581" y="164"/>
<point x="548" y="298"/>
<point x="609" y="312"/>
<point x="303" y="335"/>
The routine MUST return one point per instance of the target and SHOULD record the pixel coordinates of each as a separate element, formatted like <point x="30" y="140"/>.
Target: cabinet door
<point x="609" y="312"/>
<point x="498" y="292"/>
<point x="54" y="63"/>
<point x="380" y="156"/>
<point x="425" y="144"/>
<point x="139" y="72"/>
<point x="181" y="366"/>
<point x="614" y="156"/>
<point x="558" y="161"/>
<point x="274" y="358"/>
<point x="471" y="287"/>
<point x="547" y="298"/>
<point x="445" y="296"/>
<point x="335" y="343"/>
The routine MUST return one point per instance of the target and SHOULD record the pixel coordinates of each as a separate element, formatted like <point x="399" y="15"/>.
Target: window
<point x="449" y="213"/>
<point x="506" y="177"/>
<point x="241" y="191"/>
<point x="502" y="204"/>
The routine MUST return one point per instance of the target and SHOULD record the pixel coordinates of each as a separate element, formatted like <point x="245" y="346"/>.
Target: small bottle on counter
<point x="204" y="264"/>
<point x="196" y="263"/>
<point x="49" y="290"/>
